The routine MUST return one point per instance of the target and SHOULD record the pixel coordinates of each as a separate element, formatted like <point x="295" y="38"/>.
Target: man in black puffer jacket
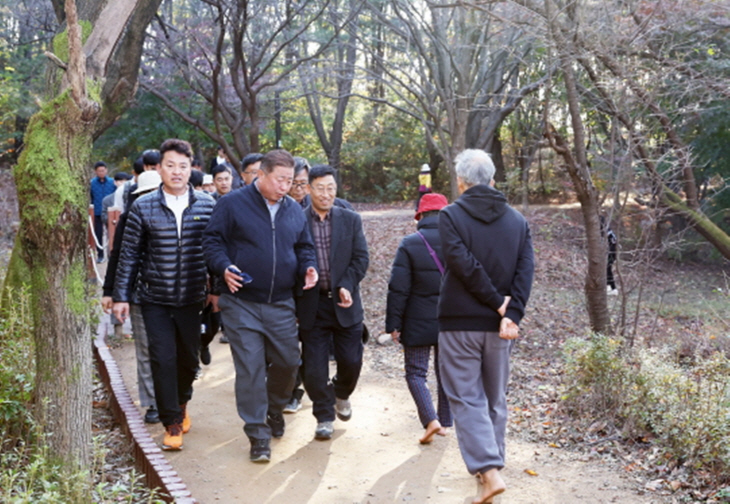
<point x="489" y="267"/>
<point x="163" y="243"/>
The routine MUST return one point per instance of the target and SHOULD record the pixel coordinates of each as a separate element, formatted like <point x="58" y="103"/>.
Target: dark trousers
<point x="609" y="270"/>
<point x="315" y="356"/>
<point x="99" y="232"/>
<point x="416" y="360"/>
<point x="173" y="335"/>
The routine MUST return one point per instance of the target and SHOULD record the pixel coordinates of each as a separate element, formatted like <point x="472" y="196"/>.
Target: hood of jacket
<point x="483" y="203"/>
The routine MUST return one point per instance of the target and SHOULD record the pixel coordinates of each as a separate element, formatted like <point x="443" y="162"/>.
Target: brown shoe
<point x="186" y="423"/>
<point x="173" y="437"/>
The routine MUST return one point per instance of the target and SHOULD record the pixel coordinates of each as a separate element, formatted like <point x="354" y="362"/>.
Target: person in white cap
<point x="208" y="185"/>
<point x="424" y="182"/>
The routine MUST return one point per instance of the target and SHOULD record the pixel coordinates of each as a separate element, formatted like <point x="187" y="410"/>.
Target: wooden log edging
<point x="148" y="457"/>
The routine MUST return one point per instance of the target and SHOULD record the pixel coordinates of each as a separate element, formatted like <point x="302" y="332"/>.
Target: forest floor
<point x="376" y="458"/>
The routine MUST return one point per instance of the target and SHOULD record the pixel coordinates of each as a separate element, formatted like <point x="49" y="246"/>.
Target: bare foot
<point x="491" y="484"/>
<point x="443" y="431"/>
<point x="433" y="428"/>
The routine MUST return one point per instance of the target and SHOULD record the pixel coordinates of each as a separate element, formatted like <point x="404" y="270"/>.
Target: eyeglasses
<point x="323" y="189"/>
<point x="299" y="185"/>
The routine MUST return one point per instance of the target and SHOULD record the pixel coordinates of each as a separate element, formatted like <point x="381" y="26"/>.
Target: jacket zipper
<point x="273" y="240"/>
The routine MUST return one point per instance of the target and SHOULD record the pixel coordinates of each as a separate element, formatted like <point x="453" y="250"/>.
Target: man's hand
<point x="503" y="309"/>
<point x="213" y="300"/>
<point x="345" y="298"/>
<point x="508" y="329"/>
<point x="233" y="281"/>
<point x="396" y="336"/>
<point x="121" y="311"/>
<point x="106" y="304"/>
<point x="310" y="278"/>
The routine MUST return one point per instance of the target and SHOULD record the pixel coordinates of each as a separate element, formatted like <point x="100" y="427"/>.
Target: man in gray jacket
<point x="489" y="267"/>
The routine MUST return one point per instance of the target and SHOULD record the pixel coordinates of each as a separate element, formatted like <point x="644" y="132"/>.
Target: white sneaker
<point x="611" y="292"/>
<point x="343" y="409"/>
<point x="293" y="406"/>
<point x="324" y="431"/>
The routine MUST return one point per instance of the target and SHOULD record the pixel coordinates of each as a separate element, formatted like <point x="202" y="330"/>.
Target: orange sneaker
<point x="186" y="423"/>
<point x="173" y="437"/>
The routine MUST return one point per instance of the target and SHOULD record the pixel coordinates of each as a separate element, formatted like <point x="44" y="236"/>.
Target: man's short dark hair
<point x="250" y="159"/>
<point x="196" y="178"/>
<point x="300" y="164"/>
<point x="276" y="157"/>
<point x="138" y="166"/>
<point x="177" y="145"/>
<point x="220" y="168"/>
<point x="98" y="164"/>
<point x="151" y="157"/>
<point x="321" y="170"/>
<point x="196" y="162"/>
<point x="122" y="176"/>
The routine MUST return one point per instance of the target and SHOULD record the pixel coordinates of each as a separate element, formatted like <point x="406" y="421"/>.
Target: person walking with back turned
<point x="489" y="268"/>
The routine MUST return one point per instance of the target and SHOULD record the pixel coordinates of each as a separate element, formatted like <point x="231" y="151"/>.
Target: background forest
<point x="619" y="107"/>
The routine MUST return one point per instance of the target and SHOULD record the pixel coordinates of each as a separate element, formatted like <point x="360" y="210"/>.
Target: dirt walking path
<point x="373" y="458"/>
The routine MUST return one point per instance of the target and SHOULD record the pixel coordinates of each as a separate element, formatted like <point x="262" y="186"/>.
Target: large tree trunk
<point x="53" y="212"/>
<point x="588" y="195"/>
<point x="52" y="178"/>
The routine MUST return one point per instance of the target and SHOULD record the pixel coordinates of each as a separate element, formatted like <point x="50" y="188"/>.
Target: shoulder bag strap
<point x="432" y="252"/>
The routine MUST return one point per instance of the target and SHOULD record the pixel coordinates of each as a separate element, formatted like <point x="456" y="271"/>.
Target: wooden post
<point x="111" y="225"/>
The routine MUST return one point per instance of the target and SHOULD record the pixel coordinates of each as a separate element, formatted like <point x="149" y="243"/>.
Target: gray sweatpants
<point x="474" y="375"/>
<point x="265" y="348"/>
<point x="145" y="386"/>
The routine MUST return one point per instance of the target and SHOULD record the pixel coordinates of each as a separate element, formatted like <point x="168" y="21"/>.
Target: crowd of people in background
<point x="271" y="257"/>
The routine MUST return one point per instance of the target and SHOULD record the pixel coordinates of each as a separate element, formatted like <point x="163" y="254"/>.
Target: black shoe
<point x="277" y="424"/>
<point x="205" y="355"/>
<point x="260" y="450"/>
<point x="152" y="415"/>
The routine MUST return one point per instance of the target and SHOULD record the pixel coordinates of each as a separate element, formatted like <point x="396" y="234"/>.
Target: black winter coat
<point x="488" y="253"/>
<point x="413" y="289"/>
<point x="171" y="270"/>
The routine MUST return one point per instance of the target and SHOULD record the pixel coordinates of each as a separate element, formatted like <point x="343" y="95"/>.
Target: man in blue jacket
<point x="489" y="267"/>
<point x="101" y="186"/>
<point x="259" y="242"/>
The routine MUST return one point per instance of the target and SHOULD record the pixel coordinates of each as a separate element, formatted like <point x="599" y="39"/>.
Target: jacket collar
<point x="191" y="195"/>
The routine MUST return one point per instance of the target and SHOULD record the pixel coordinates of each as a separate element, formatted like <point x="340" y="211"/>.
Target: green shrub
<point x="685" y="407"/>
<point x="597" y="376"/>
<point x="28" y="474"/>
<point x="17" y="371"/>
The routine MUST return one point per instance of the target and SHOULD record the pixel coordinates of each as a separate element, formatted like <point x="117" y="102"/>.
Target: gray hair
<point x="474" y="167"/>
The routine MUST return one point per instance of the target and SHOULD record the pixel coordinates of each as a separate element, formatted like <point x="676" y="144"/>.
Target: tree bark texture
<point x="588" y="194"/>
